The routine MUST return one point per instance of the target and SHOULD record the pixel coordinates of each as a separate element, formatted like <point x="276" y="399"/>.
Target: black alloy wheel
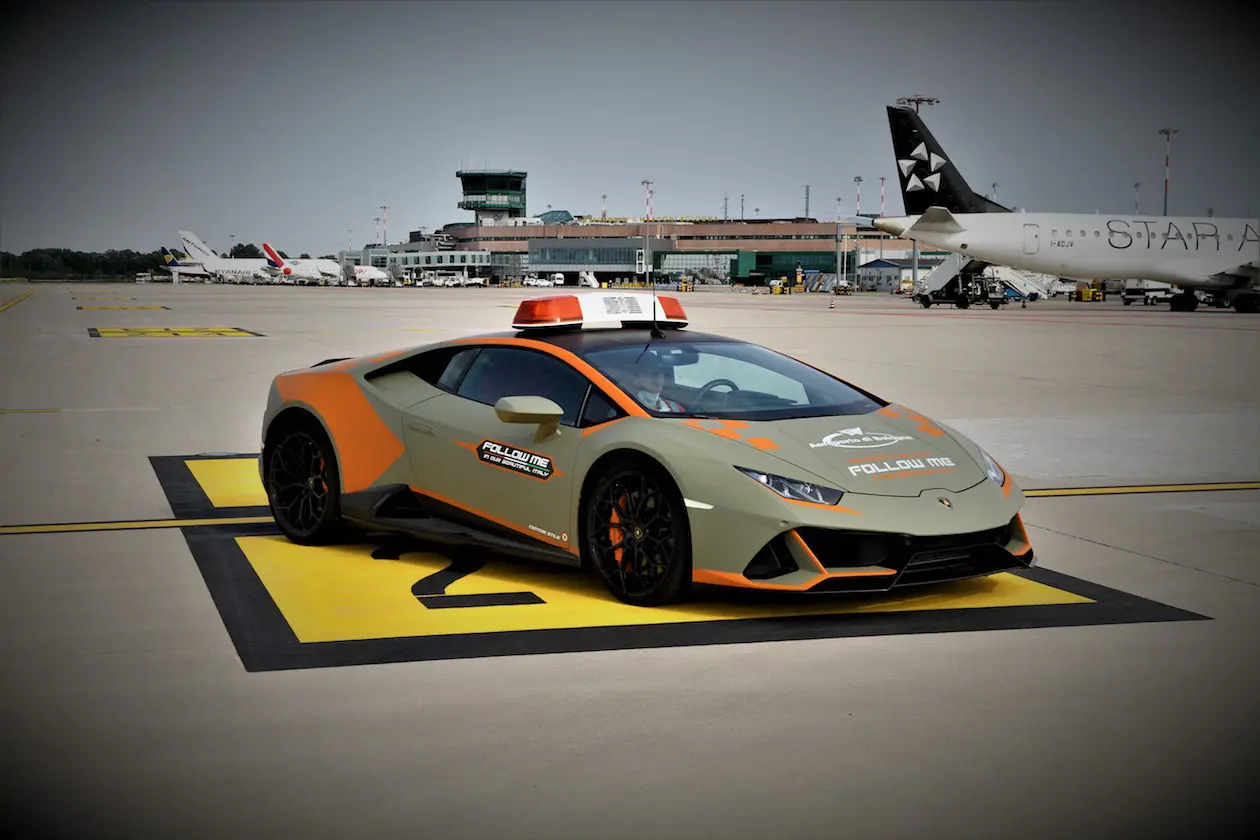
<point x="637" y="536"/>
<point x="303" y="487"/>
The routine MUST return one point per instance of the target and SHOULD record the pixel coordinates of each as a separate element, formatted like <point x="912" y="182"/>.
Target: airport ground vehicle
<point x="600" y="432"/>
<point x="1147" y="291"/>
<point x="964" y="290"/>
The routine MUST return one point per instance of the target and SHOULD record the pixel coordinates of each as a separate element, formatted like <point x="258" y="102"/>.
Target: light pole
<point x="741" y="207"/>
<point x="603" y="213"/>
<point x="995" y="186"/>
<point x="1137" y="197"/>
<point x="1168" y="133"/>
<point x="647" y="186"/>
<point x="857" y="208"/>
<point x="385" y="225"/>
<point x="838" y="253"/>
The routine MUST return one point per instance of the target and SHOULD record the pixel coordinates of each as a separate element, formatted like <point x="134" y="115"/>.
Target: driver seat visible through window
<point x="499" y="372"/>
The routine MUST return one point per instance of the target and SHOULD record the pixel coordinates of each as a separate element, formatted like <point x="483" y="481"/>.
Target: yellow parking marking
<point x="128" y="308"/>
<point x="171" y="332"/>
<point x="135" y="525"/>
<point x="1144" y="488"/>
<point x="341" y="593"/>
<point x="8" y="304"/>
<point x="29" y="410"/>
<point x="229" y="482"/>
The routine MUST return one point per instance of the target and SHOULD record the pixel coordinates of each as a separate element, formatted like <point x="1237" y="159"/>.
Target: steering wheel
<point x="709" y="386"/>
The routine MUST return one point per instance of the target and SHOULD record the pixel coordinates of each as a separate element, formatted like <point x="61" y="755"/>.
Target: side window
<point x="599" y="409"/>
<point x="442" y="367"/>
<point x="499" y="372"/>
<point x="456" y="368"/>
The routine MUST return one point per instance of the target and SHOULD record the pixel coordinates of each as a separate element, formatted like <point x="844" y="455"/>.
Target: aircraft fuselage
<point x="1189" y="252"/>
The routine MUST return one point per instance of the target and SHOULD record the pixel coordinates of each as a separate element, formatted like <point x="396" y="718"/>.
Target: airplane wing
<point x="1249" y="269"/>
<point x="936" y="220"/>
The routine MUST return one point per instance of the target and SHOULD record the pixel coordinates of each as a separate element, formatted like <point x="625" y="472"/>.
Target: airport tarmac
<point x="146" y="692"/>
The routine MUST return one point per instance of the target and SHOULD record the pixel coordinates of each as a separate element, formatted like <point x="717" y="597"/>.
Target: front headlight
<point x="794" y="489"/>
<point x="991" y="467"/>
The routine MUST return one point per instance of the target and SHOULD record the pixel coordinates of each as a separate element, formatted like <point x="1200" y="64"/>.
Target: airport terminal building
<point x="504" y="242"/>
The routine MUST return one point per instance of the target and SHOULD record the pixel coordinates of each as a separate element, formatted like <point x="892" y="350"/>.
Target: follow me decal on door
<point x="512" y="458"/>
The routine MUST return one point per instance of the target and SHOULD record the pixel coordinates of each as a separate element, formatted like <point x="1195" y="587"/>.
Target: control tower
<point x="495" y="195"/>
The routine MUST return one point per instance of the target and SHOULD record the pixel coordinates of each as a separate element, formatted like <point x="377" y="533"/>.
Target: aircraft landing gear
<point x="1247" y="304"/>
<point x="1184" y="302"/>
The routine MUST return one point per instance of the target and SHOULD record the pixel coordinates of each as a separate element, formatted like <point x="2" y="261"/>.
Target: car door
<point x="463" y="455"/>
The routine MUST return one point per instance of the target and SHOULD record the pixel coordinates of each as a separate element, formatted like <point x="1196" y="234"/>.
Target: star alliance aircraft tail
<point x="928" y="179"/>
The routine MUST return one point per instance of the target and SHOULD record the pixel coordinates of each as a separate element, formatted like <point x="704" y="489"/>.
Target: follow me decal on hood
<point x="894" y="452"/>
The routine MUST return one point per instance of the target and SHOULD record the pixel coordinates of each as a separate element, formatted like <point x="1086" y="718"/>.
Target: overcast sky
<point x="294" y="121"/>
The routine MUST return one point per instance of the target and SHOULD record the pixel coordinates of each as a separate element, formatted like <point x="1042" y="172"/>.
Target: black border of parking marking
<point x="265" y="641"/>
<point x="184" y="493"/>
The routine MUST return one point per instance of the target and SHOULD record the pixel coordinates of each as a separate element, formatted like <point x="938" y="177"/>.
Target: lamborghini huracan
<point x="600" y="432"/>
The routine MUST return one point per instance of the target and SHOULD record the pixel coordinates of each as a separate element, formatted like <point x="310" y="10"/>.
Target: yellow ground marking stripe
<point x="137" y="525"/>
<point x="340" y="593"/>
<point x="8" y="304"/>
<point x="29" y="410"/>
<point x="233" y="482"/>
<point x="229" y="482"/>
<point x="170" y="332"/>
<point x="1144" y="488"/>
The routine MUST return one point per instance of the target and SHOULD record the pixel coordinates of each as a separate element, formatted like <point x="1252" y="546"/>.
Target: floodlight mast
<point x="917" y="101"/>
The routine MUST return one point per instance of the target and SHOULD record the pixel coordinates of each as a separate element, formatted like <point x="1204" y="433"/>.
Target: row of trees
<point x="65" y="264"/>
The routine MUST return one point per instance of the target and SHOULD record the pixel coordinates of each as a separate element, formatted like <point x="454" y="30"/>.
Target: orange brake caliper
<point x="615" y="534"/>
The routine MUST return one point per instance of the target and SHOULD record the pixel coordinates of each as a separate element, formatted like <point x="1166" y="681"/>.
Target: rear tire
<point x="635" y="533"/>
<point x="303" y="484"/>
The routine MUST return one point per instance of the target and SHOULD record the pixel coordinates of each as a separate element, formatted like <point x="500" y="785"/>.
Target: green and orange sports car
<point x="600" y="432"/>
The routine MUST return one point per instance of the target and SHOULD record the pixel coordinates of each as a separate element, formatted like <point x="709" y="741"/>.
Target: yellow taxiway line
<point x="11" y="303"/>
<point x="152" y="524"/>
<point x="1144" y="488"/>
<point x="135" y="525"/>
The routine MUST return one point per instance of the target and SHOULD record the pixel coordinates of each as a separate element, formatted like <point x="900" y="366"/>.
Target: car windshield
<point x="728" y="380"/>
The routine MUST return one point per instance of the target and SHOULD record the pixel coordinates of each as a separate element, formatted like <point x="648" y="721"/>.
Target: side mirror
<point x="540" y="410"/>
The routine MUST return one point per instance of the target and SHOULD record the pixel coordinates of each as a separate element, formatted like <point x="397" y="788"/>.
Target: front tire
<point x="636" y="534"/>
<point x="303" y="485"/>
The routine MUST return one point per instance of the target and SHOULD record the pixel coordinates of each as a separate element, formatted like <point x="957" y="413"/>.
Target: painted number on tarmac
<point x="431" y="591"/>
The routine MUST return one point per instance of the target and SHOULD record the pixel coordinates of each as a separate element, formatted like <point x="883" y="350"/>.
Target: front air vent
<point x="774" y="560"/>
<point x="846" y="549"/>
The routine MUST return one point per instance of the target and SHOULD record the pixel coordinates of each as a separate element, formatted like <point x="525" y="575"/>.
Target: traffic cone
<point x="831" y="304"/>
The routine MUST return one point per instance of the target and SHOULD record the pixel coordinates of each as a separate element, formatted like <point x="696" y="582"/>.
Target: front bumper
<point x="812" y="559"/>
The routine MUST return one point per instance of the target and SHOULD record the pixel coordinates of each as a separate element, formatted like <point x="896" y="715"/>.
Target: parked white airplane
<point x="366" y="275"/>
<point x="294" y="270"/>
<point x="224" y="268"/>
<point x="1214" y="254"/>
